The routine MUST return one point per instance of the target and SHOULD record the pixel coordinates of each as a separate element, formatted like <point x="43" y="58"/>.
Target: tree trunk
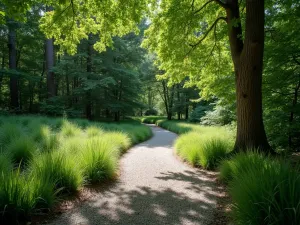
<point x="248" y="63"/>
<point x="295" y="100"/>
<point x="186" y="108"/>
<point x="1" y="75"/>
<point x="88" y="106"/>
<point x="169" y="116"/>
<point x="49" y="65"/>
<point x="14" y="88"/>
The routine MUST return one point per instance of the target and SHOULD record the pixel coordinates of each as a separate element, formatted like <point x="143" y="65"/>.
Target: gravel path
<point x="154" y="187"/>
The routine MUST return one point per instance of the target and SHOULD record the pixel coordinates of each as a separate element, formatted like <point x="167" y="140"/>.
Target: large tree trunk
<point x="14" y="89"/>
<point x="248" y="63"/>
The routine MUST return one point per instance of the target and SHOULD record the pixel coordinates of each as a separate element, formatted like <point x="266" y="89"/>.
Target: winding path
<point x="154" y="188"/>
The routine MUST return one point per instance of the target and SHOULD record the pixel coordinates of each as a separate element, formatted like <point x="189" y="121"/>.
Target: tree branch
<point x="222" y="4"/>
<point x="202" y="7"/>
<point x="205" y="35"/>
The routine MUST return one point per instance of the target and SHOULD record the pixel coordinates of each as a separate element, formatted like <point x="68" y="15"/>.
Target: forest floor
<point x="154" y="187"/>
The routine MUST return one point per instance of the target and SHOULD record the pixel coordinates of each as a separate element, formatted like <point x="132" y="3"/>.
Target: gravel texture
<point x="154" y="187"/>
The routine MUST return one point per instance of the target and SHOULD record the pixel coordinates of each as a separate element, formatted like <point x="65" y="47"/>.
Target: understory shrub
<point x="263" y="190"/>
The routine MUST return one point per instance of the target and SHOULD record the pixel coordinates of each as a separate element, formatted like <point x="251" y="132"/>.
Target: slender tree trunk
<point x="88" y="106"/>
<point x="186" y="108"/>
<point x="248" y="63"/>
<point x="49" y="65"/>
<point x="14" y="88"/>
<point x="1" y="75"/>
<point x="294" y="103"/>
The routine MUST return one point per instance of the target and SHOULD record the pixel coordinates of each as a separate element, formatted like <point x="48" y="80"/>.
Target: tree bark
<point x="186" y="108"/>
<point x="14" y="88"/>
<point x="49" y="65"/>
<point x="291" y="119"/>
<point x="248" y="64"/>
<point x="88" y="106"/>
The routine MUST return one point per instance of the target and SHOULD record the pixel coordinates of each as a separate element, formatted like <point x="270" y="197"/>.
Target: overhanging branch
<point x="208" y="31"/>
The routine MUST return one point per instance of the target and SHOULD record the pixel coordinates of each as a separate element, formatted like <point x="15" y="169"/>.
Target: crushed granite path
<point x="154" y="188"/>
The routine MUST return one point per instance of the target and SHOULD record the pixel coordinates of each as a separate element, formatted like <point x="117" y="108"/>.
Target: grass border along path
<point x="43" y="159"/>
<point x="263" y="189"/>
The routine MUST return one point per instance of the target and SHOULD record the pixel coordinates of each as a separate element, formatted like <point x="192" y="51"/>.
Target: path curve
<point x="154" y="188"/>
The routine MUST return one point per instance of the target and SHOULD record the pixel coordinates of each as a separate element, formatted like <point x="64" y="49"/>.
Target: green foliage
<point x="204" y="149"/>
<point x="61" y="156"/>
<point x="20" y="195"/>
<point x="119" y="139"/>
<point x="263" y="191"/>
<point x="151" y="112"/>
<point x="93" y="131"/>
<point x="68" y="129"/>
<point x="46" y="139"/>
<point x="22" y="149"/>
<point x="6" y="164"/>
<point x="150" y="119"/>
<point x="60" y="169"/>
<point x="99" y="159"/>
<point x="9" y="132"/>
<point x="241" y="163"/>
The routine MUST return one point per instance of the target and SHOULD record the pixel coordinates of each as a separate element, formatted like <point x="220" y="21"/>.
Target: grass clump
<point x="21" y="195"/>
<point x="93" y="131"/>
<point x="46" y="139"/>
<point x="99" y="159"/>
<point x="59" y="168"/>
<point x="69" y="129"/>
<point x="8" y="133"/>
<point x="205" y="150"/>
<point x="21" y="149"/>
<point x="119" y="139"/>
<point x="263" y="190"/>
<point x="6" y="164"/>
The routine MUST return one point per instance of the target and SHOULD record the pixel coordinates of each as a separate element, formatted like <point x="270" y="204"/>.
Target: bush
<point x="99" y="159"/>
<point x="263" y="191"/>
<point x="151" y="119"/>
<point x="204" y="150"/>
<point x="59" y="168"/>
<point x="151" y="112"/>
<point x="21" y="149"/>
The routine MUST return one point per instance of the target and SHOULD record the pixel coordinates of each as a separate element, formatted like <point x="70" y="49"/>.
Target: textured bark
<point x="248" y="64"/>
<point x="14" y="88"/>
